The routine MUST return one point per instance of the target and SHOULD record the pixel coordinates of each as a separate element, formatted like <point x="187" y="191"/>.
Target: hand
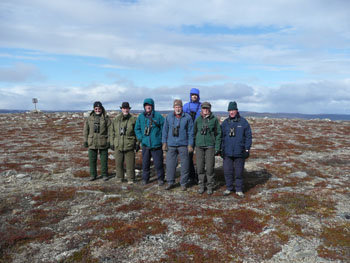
<point x="137" y="147"/>
<point x="112" y="147"/>
<point x="86" y="145"/>
<point x="246" y="154"/>
<point x="217" y="153"/>
<point x="190" y="149"/>
<point x="165" y="147"/>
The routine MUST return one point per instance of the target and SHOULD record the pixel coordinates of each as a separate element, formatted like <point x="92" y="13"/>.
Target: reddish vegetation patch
<point x="54" y="196"/>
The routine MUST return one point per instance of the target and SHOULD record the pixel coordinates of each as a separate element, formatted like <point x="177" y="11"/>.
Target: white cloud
<point x="20" y="72"/>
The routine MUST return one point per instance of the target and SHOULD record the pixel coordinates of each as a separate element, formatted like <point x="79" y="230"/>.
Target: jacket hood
<point x="195" y="91"/>
<point x="149" y="101"/>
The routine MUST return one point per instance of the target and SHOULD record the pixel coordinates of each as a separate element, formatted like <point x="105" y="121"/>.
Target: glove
<point x="217" y="153"/>
<point x="190" y="149"/>
<point x="86" y="145"/>
<point x="246" y="154"/>
<point x="165" y="147"/>
<point x="112" y="147"/>
<point x="137" y="147"/>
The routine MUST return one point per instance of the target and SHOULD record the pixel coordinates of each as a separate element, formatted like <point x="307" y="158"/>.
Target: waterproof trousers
<point x="233" y="172"/>
<point x="157" y="155"/>
<point x="205" y="160"/>
<point x="171" y="163"/>
<point x="129" y="158"/>
<point x="93" y="162"/>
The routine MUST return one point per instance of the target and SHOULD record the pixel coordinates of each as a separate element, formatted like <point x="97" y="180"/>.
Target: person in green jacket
<point x="95" y="133"/>
<point x="207" y="133"/>
<point x="124" y="143"/>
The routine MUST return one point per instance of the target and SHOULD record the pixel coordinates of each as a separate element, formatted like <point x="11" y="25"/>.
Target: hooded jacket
<point x="194" y="107"/>
<point x="154" y="123"/>
<point x="96" y="135"/>
<point x="234" y="146"/>
<point x="122" y="134"/>
<point x="185" y="130"/>
<point x="211" y="135"/>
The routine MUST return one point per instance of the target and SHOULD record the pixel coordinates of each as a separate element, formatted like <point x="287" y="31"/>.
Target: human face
<point x="98" y="110"/>
<point x="194" y="97"/>
<point x="232" y="113"/>
<point x="205" y="111"/>
<point x="177" y="109"/>
<point x="125" y="111"/>
<point x="148" y="108"/>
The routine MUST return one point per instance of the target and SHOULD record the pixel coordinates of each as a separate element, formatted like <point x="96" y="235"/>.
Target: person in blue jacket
<point x="177" y="139"/>
<point x="148" y="130"/>
<point x="193" y="108"/>
<point x="235" y="146"/>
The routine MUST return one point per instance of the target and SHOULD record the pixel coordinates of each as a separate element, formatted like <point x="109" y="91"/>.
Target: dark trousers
<point x="193" y="177"/>
<point x="129" y="158"/>
<point x="157" y="155"/>
<point x="93" y="162"/>
<point x="205" y="159"/>
<point x="233" y="172"/>
<point x="171" y="163"/>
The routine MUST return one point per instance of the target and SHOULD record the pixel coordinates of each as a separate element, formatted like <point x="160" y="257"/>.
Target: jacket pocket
<point x="90" y="140"/>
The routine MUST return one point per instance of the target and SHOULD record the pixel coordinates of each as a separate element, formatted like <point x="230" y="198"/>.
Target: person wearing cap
<point x="177" y="141"/>
<point x="148" y="130"/>
<point x="207" y="132"/>
<point x="235" y="147"/>
<point x="193" y="107"/>
<point x="96" y="139"/>
<point x="124" y="143"/>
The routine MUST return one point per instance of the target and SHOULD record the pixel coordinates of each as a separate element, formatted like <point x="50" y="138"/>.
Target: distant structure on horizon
<point x="35" y="101"/>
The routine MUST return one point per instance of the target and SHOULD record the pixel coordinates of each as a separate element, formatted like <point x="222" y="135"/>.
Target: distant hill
<point x="333" y="117"/>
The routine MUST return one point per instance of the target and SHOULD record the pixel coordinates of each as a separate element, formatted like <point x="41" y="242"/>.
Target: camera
<point x="204" y="130"/>
<point x="96" y="127"/>
<point x="232" y="132"/>
<point x="176" y="131"/>
<point x="147" y="131"/>
<point x="122" y="131"/>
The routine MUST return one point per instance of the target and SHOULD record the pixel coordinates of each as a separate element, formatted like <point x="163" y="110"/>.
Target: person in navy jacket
<point x="235" y="147"/>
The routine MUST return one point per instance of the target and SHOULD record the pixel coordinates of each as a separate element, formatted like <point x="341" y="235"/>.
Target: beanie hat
<point x="206" y="105"/>
<point x="125" y="105"/>
<point x="97" y="104"/>
<point x="177" y="102"/>
<point x="232" y="106"/>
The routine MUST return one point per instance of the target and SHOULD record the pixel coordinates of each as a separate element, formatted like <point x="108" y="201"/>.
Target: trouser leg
<point x="157" y="155"/>
<point x="200" y="166"/>
<point x="209" y="167"/>
<point x="228" y="172"/>
<point x="104" y="162"/>
<point x="171" y="163"/>
<point x="93" y="162"/>
<point x="119" y="164"/>
<point x="238" y="164"/>
<point x="192" y="175"/>
<point x="184" y="160"/>
<point x="130" y="165"/>
<point x="146" y="163"/>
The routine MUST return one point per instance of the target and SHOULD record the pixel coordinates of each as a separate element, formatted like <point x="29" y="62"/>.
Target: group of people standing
<point x="189" y="127"/>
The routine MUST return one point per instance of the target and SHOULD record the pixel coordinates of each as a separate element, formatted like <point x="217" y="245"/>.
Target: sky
<point x="290" y="56"/>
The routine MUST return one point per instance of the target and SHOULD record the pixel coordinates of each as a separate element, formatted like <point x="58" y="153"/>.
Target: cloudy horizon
<point x="269" y="56"/>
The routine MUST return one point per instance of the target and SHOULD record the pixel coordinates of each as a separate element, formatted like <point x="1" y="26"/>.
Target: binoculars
<point x="204" y="130"/>
<point x="122" y="131"/>
<point x="232" y="132"/>
<point x="97" y="128"/>
<point x="176" y="131"/>
<point x="147" y="131"/>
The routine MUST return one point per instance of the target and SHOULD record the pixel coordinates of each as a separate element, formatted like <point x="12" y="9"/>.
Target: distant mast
<point x="35" y="101"/>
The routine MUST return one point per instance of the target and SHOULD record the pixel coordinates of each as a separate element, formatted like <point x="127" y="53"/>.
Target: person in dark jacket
<point x="95" y="133"/>
<point x="177" y="139"/>
<point x="193" y="108"/>
<point x="235" y="148"/>
<point x="148" y="130"/>
<point x="124" y="143"/>
<point x="207" y="133"/>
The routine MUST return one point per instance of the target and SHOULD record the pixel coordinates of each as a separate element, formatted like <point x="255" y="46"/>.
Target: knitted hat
<point x="125" y="105"/>
<point x="206" y="105"/>
<point x="97" y="104"/>
<point x="177" y="102"/>
<point x="232" y="106"/>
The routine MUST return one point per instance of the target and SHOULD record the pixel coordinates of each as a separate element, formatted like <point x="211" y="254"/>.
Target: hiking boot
<point x="168" y="187"/>
<point x="183" y="188"/>
<point x="210" y="191"/>
<point x="130" y="182"/>
<point x="144" y="182"/>
<point x="92" y="179"/>
<point x="227" y="192"/>
<point x="240" y="194"/>
<point x="200" y="191"/>
<point x="119" y="180"/>
<point x="105" y="178"/>
<point x="160" y="182"/>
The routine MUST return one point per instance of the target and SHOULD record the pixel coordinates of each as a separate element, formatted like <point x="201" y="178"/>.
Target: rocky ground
<point x="296" y="206"/>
